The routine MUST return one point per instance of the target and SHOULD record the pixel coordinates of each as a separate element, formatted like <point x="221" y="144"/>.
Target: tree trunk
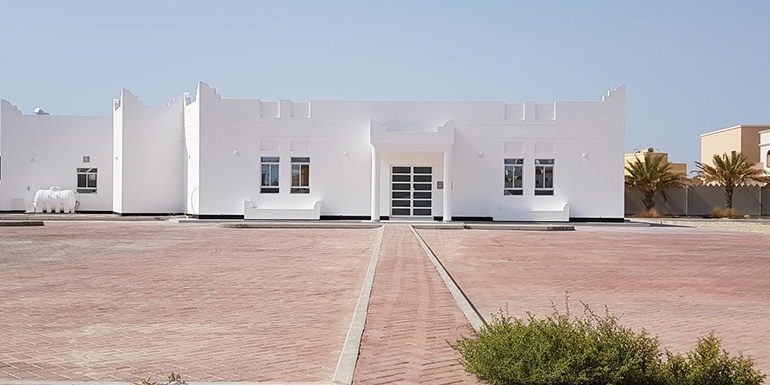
<point x="648" y="200"/>
<point x="729" y="196"/>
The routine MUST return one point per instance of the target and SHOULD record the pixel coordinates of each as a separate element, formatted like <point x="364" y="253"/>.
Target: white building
<point x="213" y="157"/>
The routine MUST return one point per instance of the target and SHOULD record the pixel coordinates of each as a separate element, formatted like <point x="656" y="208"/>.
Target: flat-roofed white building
<point x="209" y="156"/>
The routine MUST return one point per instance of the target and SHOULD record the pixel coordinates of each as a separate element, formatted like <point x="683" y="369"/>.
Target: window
<point x="87" y="180"/>
<point x="514" y="169"/>
<point x="543" y="176"/>
<point x="270" y="175"/>
<point x="300" y="175"/>
<point x="86" y="159"/>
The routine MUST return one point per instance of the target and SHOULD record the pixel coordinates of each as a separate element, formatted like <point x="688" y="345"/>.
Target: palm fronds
<point x="650" y="175"/>
<point x="730" y="171"/>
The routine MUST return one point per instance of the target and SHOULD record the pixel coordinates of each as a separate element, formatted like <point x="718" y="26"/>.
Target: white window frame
<point x="544" y="167"/>
<point x="270" y="181"/>
<point x="298" y="185"/>
<point x="511" y="184"/>
<point x="90" y="177"/>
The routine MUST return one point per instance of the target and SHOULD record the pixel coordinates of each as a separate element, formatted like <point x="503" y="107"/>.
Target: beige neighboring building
<point x="643" y="154"/>
<point x="743" y="138"/>
<point x="764" y="147"/>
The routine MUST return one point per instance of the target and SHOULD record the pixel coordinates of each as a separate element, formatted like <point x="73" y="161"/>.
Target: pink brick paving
<point x="678" y="283"/>
<point x="411" y="317"/>
<point x="124" y="301"/>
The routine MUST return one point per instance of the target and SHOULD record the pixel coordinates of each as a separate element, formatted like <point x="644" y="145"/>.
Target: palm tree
<point x="651" y="176"/>
<point x="730" y="171"/>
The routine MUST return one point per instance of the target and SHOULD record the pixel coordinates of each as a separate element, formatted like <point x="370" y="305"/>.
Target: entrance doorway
<point x="411" y="191"/>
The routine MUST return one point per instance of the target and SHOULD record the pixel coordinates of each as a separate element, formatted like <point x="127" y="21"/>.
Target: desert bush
<point x="592" y="349"/>
<point x="709" y="364"/>
<point x="173" y="379"/>
<point x="561" y="350"/>
<point x="651" y="213"/>
<point x="719" y="212"/>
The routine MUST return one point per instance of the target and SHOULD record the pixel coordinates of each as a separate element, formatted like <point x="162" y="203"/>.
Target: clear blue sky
<point x="690" y="66"/>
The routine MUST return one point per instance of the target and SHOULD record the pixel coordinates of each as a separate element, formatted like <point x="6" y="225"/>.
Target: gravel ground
<point x="744" y="225"/>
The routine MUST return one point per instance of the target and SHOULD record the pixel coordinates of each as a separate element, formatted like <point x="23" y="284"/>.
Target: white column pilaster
<point x="375" y="204"/>
<point x="448" y="185"/>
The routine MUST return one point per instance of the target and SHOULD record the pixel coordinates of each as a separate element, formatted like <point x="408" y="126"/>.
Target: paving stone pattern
<point x="411" y="318"/>
<point x="678" y="283"/>
<point x="122" y="301"/>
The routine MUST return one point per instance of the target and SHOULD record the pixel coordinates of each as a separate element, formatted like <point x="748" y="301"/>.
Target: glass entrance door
<point x="411" y="191"/>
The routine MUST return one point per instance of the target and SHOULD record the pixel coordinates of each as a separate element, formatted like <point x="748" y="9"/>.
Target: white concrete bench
<point x="251" y="211"/>
<point x="559" y="213"/>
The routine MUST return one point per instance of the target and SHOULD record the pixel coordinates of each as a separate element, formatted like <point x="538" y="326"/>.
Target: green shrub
<point x="561" y="349"/>
<point x="592" y="350"/>
<point x="709" y="364"/>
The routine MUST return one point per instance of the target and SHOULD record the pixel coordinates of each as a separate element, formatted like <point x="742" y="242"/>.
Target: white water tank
<point x="55" y="200"/>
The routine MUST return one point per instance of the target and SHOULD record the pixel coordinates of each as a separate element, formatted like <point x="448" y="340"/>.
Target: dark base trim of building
<point x="602" y="220"/>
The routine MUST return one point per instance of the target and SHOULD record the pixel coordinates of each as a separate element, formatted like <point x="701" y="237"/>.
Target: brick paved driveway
<point x="127" y="300"/>
<point x="678" y="283"/>
<point x="411" y="318"/>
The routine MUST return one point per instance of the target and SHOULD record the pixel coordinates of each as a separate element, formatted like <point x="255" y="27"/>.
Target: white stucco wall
<point x="435" y="160"/>
<point x="149" y="154"/>
<point x="340" y="157"/>
<point x="40" y="151"/>
<point x="592" y="185"/>
<point x="191" y="156"/>
<point x="585" y="139"/>
<point x="117" y="156"/>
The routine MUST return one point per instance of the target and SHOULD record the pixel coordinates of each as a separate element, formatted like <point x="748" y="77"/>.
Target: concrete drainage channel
<point x="463" y="302"/>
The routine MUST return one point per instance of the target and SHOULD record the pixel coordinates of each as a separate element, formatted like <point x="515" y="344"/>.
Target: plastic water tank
<point x="55" y="200"/>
